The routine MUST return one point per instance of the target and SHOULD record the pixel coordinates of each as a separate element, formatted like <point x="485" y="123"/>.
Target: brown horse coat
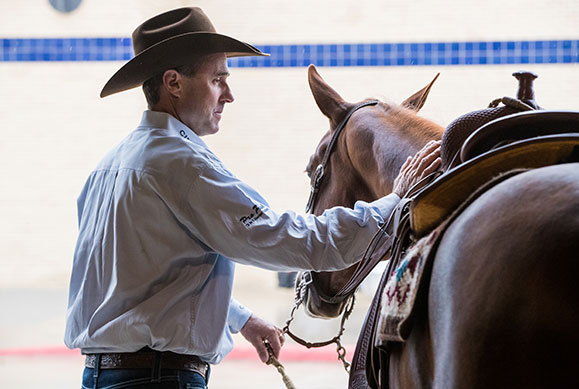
<point x="503" y="304"/>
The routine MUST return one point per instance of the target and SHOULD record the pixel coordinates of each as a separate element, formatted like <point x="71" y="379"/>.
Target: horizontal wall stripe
<point x="363" y="54"/>
<point x="66" y="49"/>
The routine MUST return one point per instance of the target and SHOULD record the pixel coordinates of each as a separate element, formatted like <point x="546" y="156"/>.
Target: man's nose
<point x="227" y="96"/>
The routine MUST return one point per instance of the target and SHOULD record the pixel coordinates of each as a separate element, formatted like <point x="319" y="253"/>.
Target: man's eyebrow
<point x="223" y="73"/>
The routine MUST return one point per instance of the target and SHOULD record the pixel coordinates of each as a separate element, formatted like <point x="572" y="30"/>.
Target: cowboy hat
<point x="169" y="40"/>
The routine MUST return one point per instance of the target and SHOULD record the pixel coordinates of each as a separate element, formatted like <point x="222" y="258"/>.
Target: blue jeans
<point x="142" y="378"/>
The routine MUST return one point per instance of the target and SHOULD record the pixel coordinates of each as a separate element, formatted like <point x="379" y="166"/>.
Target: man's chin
<point x="213" y="130"/>
<point x="212" y="126"/>
<point x="209" y="130"/>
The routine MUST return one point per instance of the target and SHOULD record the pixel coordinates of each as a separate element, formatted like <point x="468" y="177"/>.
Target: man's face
<point x="205" y="94"/>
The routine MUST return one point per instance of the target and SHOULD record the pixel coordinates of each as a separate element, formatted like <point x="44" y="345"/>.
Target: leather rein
<point x="306" y="277"/>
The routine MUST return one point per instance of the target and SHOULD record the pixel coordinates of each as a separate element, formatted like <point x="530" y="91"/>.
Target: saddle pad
<point x="401" y="290"/>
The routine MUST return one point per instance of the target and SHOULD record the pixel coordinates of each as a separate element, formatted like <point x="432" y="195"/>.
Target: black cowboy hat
<point x="169" y="40"/>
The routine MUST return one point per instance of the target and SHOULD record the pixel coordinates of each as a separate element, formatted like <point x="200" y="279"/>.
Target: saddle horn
<point x="526" y="92"/>
<point x="461" y="128"/>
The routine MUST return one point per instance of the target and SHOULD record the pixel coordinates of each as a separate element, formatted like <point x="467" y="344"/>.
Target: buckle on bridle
<point x="318" y="174"/>
<point x="315" y="187"/>
<point x="317" y="179"/>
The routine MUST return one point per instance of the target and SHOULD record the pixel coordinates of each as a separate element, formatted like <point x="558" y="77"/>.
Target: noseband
<point x="319" y="173"/>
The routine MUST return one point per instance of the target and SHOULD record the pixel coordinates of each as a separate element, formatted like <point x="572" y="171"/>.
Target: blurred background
<point x="56" y="55"/>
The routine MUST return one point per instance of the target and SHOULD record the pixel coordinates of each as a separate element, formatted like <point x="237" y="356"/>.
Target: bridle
<point x="384" y="242"/>
<point x="320" y="170"/>
<point x="306" y="277"/>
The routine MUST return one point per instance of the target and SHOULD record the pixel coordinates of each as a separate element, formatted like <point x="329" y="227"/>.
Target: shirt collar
<point x="166" y="121"/>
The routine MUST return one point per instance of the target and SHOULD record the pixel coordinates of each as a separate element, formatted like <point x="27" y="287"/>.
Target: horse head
<point x="361" y="165"/>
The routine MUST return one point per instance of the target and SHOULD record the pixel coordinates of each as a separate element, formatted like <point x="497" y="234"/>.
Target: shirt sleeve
<point x="238" y="315"/>
<point x="233" y="220"/>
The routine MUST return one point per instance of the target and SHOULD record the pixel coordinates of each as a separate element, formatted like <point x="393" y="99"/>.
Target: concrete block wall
<point x="55" y="128"/>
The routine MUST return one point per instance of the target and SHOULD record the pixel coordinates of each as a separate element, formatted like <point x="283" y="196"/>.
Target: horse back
<point x="503" y="305"/>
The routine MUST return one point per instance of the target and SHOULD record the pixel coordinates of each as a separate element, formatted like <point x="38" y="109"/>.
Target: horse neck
<point x="379" y="150"/>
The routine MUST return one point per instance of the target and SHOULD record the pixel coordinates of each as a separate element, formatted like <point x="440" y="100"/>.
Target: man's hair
<point x="152" y="86"/>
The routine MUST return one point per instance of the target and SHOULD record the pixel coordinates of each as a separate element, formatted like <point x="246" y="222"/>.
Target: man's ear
<point x="172" y="82"/>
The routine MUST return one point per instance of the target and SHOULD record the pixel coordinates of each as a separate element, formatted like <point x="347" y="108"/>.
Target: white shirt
<point x="161" y="223"/>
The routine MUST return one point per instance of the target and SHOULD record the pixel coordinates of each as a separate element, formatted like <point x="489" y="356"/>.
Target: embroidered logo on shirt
<point x="184" y="134"/>
<point x="252" y="217"/>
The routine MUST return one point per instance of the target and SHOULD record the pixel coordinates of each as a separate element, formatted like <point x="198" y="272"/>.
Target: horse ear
<point x="328" y="100"/>
<point x="417" y="100"/>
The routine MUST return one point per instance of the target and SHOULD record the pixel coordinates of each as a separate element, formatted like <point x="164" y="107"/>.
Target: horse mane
<point x="413" y="125"/>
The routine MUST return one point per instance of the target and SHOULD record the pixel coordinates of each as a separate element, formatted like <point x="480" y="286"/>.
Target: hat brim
<point x="174" y="52"/>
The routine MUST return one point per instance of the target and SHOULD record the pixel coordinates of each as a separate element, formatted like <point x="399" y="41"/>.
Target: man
<point x="161" y="221"/>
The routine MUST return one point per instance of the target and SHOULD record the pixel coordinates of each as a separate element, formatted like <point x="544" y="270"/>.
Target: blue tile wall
<point x="361" y="54"/>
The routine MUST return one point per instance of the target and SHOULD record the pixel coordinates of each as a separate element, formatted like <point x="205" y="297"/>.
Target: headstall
<point x="306" y="277"/>
<point x="319" y="173"/>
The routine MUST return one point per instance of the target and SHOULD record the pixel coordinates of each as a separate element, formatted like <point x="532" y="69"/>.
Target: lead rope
<point x="301" y="289"/>
<point x="272" y="360"/>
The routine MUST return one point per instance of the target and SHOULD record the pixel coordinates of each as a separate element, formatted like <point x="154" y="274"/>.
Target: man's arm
<point x="232" y="219"/>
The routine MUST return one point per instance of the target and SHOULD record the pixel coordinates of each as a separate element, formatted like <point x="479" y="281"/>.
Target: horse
<point x="502" y="305"/>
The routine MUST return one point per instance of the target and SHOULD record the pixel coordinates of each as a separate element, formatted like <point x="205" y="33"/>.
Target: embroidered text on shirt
<point x="184" y="134"/>
<point x="252" y="217"/>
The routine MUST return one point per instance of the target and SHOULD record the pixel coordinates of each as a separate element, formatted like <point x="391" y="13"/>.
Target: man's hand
<point x="416" y="168"/>
<point x="257" y="330"/>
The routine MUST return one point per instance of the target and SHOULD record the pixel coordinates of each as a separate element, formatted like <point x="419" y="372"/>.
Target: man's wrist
<point x="238" y="316"/>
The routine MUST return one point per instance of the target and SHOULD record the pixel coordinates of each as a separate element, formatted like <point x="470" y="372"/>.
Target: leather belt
<point x="149" y="359"/>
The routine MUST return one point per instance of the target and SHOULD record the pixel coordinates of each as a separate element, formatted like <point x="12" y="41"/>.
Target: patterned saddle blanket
<point x="401" y="290"/>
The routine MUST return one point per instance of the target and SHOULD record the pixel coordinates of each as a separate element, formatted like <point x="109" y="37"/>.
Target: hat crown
<point x="170" y="24"/>
<point x="169" y="40"/>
